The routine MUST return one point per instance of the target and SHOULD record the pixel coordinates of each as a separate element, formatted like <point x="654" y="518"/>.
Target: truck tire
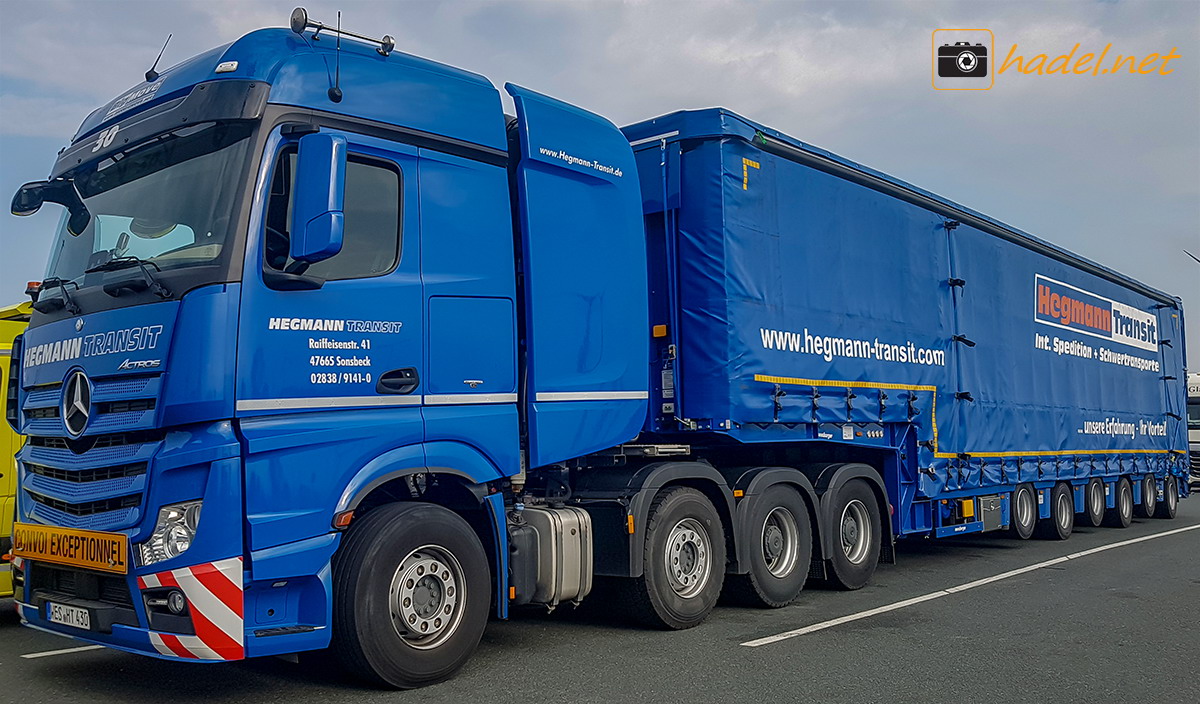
<point x="779" y="547"/>
<point x="412" y="591"/>
<point x="1093" y="504"/>
<point x="1149" y="502"/>
<point x="1121" y="514"/>
<point x="1062" y="514"/>
<point x="858" y="536"/>
<point x="1170" y="503"/>
<point x="683" y="564"/>
<point x="1023" y="513"/>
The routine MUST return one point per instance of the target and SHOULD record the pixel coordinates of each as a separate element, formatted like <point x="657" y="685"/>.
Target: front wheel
<point x="411" y="595"/>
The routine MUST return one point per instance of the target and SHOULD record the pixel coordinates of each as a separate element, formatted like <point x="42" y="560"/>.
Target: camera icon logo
<point x="961" y="59"/>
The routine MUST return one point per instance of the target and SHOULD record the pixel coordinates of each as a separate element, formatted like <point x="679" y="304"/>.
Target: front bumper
<point x="210" y="629"/>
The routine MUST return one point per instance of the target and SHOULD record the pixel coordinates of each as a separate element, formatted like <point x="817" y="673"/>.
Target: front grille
<point x="1195" y="461"/>
<point x="85" y="444"/>
<point x="97" y="481"/>
<point x="81" y="584"/>
<point x="145" y="404"/>
<point x="87" y="508"/>
<point x="88" y="475"/>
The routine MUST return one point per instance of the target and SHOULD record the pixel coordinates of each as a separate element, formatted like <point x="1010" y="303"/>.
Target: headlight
<point x="173" y="533"/>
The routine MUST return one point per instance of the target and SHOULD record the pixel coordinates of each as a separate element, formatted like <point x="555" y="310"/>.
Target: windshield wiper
<point x="49" y="305"/>
<point x="117" y="263"/>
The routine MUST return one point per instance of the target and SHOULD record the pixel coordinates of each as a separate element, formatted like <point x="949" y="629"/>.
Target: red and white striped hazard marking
<point x="214" y="595"/>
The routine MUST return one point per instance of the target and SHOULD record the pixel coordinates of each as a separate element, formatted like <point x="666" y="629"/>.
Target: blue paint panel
<point x="399" y="89"/>
<point x="584" y="257"/>
<point x="471" y="340"/>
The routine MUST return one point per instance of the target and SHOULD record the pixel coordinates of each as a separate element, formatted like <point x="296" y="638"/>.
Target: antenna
<point x="152" y="75"/>
<point x="335" y="91"/>
<point x="1193" y="256"/>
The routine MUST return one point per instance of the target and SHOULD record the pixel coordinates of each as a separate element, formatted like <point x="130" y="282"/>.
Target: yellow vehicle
<point x="13" y="320"/>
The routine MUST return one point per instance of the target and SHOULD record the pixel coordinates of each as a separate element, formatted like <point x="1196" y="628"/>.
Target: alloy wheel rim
<point x="856" y="531"/>
<point x="688" y="553"/>
<point x="427" y="597"/>
<point x="780" y="542"/>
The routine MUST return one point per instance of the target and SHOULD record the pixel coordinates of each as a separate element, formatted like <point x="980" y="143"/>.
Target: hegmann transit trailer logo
<point x="1064" y="306"/>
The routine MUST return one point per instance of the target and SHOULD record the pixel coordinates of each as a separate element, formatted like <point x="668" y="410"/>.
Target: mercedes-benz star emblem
<point x="76" y="403"/>
<point x="78" y="324"/>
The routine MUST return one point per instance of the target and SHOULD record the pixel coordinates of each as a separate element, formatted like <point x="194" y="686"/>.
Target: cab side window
<point x="373" y="216"/>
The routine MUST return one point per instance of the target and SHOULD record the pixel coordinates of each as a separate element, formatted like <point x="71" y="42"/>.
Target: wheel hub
<point x="780" y="540"/>
<point x="772" y="542"/>
<point x="425" y="597"/>
<point x="688" y="552"/>
<point x="856" y="531"/>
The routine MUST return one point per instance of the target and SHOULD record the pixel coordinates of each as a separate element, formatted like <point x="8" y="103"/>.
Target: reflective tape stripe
<point x="215" y="601"/>
<point x="449" y="399"/>
<point x="592" y="395"/>
<point x="279" y="404"/>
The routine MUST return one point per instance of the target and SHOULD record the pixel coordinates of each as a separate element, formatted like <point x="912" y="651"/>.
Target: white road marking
<point x="64" y="651"/>
<point x="954" y="590"/>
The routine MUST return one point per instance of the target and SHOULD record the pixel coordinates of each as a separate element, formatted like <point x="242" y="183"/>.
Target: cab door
<point x="332" y="377"/>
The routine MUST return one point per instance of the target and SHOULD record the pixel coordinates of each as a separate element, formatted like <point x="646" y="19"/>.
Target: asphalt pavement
<point x="1115" y="622"/>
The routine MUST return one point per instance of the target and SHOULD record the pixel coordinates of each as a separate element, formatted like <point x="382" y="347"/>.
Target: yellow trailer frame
<point x="13" y="320"/>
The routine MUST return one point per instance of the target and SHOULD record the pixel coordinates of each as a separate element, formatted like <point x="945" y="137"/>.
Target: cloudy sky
<point x="1107" y="166"/>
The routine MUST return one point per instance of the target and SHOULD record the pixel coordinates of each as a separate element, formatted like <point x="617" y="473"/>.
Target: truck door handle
<point x="398" y="381"/>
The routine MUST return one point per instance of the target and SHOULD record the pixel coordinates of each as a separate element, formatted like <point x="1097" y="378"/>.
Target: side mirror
<point x="29" y="198"/>
<point x="320" y="184"/>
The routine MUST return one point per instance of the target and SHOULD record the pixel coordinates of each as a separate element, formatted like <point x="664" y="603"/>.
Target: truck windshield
<point x="1194" y="413"/>
<point x="170" y="201"/>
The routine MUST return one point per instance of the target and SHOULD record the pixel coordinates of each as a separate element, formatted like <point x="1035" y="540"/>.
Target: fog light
<point x="176" y="603"/>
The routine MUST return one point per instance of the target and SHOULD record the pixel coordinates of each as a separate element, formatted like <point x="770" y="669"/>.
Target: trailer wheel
<point x="411" y="590"/>
<point x="1062" y="514"/>
<point x="1093" y="503"/>
<point x="1023" y="513"/>
<point x="779" y="546"/>
<point x="1170" y="503"/>
<point x="1121" y="514"/>
<point x="683" y="565"/>
<point x="1149" y="502"/>
<point x="858" y="535"/>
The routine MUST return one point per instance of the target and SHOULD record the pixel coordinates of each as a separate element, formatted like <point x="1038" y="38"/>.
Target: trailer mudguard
<point x="614" y="495"/>
<point x="752" y="481"/>
<point x="586" y="338"/>
<point x="827" y="479"/>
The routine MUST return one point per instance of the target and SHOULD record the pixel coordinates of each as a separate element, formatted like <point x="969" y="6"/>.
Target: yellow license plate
<point x="91" y="549"/>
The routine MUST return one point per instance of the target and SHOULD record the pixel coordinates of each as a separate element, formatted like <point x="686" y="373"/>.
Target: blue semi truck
<point x="333" y="354"/>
